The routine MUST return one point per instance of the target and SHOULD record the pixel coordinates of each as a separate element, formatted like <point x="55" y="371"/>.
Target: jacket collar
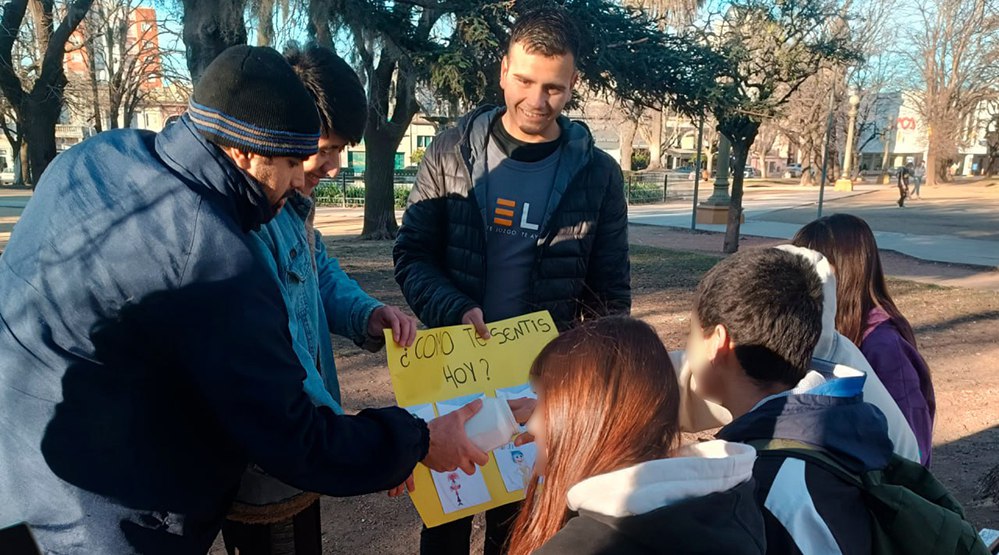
<point x="875" y="318"/>
<point x="206" y="167"/>
<point x="300" y="204"/>
<point x="827" y="410"/>
<point x="576" y="152"/>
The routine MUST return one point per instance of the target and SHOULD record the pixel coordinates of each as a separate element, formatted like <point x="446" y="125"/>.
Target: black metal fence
<point x="347" y="189"/>
<point x="655" y="187"/>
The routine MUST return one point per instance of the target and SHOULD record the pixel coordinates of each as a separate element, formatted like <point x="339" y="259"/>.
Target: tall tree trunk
<point x="127" y="117"/>
<point x="114" y="112"/>
<point x="39" y="110"/>
<point x="380" y="143"/>
<point x="740" y="153"/>
<point x="656" y="143"/>
<point x="211" y="26"/>
<point x="807" y="163"/>
<point x="265" y="28"/>
<point x="627" y="136"/>
<point x="933" y="167"/>
<point x="319" y="23"/>
<point x="741" y="134"/>
<point x="42" y="110"/>
<point x="94" y="89"/>
<point x="763" y="165"/>
<point x="392" y="78"/>
<point x="22" y="168"/>
<point x="41" y="15"/>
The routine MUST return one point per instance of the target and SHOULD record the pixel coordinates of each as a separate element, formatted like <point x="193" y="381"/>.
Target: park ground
<point x="954" y="309"/>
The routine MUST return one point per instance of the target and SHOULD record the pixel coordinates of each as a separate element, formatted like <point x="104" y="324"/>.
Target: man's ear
<point x="575" y="80"/>
<point x="240" y="157"/>
<point x="504" y="70"/>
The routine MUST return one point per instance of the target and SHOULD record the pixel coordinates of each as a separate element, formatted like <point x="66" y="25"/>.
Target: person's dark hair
<point x="339" y="96"/>
<point x="770" y="302"/>
<point x="848" y="244"/>
<point x="548" y="31"/>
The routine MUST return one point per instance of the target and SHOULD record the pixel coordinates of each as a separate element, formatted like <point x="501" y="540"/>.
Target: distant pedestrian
<point x="904" y="173"/>
<point x="918" y="175"/>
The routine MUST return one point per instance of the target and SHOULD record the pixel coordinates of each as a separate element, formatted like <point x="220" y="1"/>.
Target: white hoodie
<point x="697" y="414"/>
<point x="695" y="470"/>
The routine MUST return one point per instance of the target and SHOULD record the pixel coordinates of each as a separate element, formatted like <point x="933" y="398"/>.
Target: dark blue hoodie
<point x="807" y="509"/>
<point x="145" y="357"/>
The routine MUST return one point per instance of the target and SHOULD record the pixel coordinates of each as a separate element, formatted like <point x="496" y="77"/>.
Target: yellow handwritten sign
<point x="445" y="364"/>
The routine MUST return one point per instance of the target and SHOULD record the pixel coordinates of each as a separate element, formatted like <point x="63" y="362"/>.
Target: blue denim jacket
<point x="320" y="298"/>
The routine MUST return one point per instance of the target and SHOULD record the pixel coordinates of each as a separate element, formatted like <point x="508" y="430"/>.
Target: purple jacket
<point x="905" y="375"/>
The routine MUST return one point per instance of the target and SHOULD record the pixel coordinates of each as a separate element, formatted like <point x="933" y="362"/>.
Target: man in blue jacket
<point x="320" y="298"/>
<point x="145" y="353"/>
<point x="755" y="324"/>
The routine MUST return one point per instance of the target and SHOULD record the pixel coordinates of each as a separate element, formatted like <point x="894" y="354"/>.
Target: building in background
<point x="898" y="126"/>
<point x="414" y="143"/>
<point x="132" y="54"/>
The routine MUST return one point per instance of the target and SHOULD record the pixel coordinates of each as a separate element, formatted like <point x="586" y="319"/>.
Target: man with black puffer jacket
<point x="514" y="211"/>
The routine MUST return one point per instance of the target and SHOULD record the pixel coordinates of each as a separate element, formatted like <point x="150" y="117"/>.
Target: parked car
<point x="704" y="176"/>
<point x="793" y="170"/>
<point x="750" y="173"/>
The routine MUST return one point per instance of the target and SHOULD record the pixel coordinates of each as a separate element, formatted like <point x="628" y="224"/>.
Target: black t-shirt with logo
<point x="519" y="183"/>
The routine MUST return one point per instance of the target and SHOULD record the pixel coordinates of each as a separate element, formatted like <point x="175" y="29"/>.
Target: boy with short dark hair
<point x="756" y="321"/>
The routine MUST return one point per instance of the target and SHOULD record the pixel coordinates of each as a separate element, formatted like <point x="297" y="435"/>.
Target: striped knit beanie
<point x="250" y="98"/>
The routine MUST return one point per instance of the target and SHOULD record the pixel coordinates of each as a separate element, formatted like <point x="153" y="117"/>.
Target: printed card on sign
<point x="423" y="412"/>
<point x="516" y="464"/>
<point x="450" y="367"/>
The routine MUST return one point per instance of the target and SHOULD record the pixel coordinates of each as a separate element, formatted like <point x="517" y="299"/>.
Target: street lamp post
<point x="845" y="182"/>
<point x="715" y="209"/>
<point x="697" y="171"/>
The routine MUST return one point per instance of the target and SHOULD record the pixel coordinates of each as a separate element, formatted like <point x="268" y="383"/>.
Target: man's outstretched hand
<point x="450" y="447"/>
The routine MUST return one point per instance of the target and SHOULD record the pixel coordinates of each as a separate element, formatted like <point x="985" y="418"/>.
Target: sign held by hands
<point x="453" y="361"/>
<point x="450" y="364"/>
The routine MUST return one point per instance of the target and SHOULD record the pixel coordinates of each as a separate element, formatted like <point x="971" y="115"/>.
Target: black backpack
<point x="911" y="511"/>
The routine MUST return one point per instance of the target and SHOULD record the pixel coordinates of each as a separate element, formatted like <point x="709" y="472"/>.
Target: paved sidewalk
<point x="956" y="224"/>
<point x="937" y="248"/>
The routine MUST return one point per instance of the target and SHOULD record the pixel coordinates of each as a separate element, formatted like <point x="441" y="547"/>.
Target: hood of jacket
<point x="694" y="471"/>
<point x="829" y="340"/>
<point x="204" y="166"/>
<point x="576" y="152"/>
<point x="702" y="498"/>
<point x="827" y="410"/>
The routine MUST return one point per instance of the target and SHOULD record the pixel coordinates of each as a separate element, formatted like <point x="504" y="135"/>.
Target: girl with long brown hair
<point x="868" y="316"/>
<point x="615" y="481"/>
